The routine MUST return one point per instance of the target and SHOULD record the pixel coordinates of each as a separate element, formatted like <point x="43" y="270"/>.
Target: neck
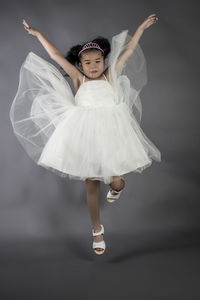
<point x="94" y="78"/>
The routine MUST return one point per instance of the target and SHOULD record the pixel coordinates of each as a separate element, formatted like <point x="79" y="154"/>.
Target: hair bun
<point x="104" y="44"/>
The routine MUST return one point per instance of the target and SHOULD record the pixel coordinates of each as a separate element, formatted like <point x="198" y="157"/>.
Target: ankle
<point x="116" y="190"/>
<point x="97" y="228"/>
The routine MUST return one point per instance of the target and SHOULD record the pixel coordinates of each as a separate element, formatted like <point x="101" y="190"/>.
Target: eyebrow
<point x="89" y="59"/>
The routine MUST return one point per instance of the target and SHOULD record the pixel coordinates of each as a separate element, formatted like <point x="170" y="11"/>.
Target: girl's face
<point x="92" y="63"/>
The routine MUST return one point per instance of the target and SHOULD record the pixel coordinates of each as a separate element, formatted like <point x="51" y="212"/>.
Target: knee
<point x="92" y="186"/>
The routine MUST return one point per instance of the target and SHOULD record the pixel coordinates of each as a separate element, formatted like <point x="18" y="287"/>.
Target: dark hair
<point x="72" y="54"/>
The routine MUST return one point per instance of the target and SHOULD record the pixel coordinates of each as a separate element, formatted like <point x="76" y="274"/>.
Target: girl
<point x="95" y="135"/>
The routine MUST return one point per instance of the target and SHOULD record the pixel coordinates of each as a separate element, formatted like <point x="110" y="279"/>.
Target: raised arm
<point x="53" y="52"/>
<point x="130" y="47"/>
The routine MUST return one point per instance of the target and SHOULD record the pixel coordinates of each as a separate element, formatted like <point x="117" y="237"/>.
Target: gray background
<point x="152" y="232"/>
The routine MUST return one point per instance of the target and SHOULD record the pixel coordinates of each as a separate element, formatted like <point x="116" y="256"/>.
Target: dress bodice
<point x="95" y="93"/>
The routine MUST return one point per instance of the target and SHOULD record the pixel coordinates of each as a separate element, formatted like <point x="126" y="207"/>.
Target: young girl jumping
<point x="95" y="135"/>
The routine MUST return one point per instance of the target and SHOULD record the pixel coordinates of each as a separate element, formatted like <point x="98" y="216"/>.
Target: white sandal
<point x="100" y="244"/>
<point x="110" y="197"/>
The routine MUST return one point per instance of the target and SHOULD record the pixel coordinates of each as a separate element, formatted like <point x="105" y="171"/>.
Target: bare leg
<point x="117" y="184"/>
<point x="93" y="187"/>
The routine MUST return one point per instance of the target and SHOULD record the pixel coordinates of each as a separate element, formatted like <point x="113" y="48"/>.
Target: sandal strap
<point x="98" y="233"/>
<point x="110" y="195"/>
<point x="100" y="244"/>
<point x="117" y="191"/>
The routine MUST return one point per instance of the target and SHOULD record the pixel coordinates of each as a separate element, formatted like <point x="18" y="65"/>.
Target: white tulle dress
<point x="93" y="134"/>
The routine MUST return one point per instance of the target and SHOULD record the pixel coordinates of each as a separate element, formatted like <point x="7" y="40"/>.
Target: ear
<point x="80" y="65"/>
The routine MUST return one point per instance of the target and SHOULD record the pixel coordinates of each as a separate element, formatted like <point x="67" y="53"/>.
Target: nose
<point x="93" y="66"/>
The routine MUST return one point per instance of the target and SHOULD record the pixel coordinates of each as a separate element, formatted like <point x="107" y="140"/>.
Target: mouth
<point x="93" y="72"/>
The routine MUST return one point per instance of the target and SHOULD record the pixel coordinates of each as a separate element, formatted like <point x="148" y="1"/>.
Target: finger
<point x="154" y="19"/>
<point x="26" y="23"/>
<point x="152" y="15"/>
<point x="28" y="27"/>
<point x="151" y="20"/>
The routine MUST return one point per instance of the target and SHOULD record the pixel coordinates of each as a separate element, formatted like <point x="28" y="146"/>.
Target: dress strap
<point x="105" y="77"/>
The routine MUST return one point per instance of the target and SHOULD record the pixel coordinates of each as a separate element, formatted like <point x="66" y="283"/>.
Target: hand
<point x="151" y="19"/>
<point x="30" y="29"/>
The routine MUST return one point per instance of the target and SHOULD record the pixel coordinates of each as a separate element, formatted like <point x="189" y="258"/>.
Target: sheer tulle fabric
<point x="94" y="134"/>
<point x="132" y="76"/>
